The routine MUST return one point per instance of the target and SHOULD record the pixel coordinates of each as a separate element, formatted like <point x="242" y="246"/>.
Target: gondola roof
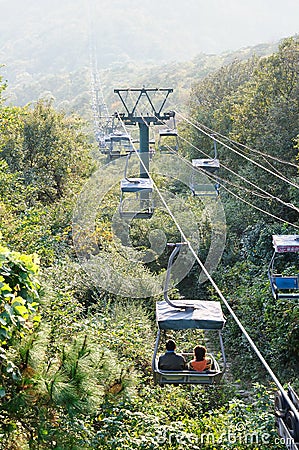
<point x="199" y="314"/>
<point x="284" y="243"/>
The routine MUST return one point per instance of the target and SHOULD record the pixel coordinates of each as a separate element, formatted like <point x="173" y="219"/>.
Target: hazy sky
<point x="237" y="23"/>
<point x="180" y="28"/>
<point x="219" y="25"/>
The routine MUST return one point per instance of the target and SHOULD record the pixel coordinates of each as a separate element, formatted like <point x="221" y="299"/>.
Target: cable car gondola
<point x="286" y="421"/>
<point x="184" y="315"/>
<point x="139" y="203"/>
<point x="105" y="147"/>
<point x="210" y="166"/>
<point x="119" y="144"/>
<point x="283" y="286"/>
<point x="168" y="138"/>
<point x="152" y="151"/>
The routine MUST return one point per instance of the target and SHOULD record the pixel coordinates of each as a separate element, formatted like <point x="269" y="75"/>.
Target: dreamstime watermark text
<point x="235" y="435"/>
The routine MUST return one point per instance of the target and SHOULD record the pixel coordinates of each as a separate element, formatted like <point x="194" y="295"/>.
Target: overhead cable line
<point x="268" y="194"/>
<point x="217" y="177"/>
<point x="99" y="106"/>
<point x="259" y="209"/>
<point x="236" y="195"/>
<point x="238" y="152"/>
<point x="265" y="155"/>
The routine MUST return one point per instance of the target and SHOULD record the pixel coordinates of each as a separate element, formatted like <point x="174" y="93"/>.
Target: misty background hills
<point x="54" y="36"/>
<point x="45" y="46"/>
<point x="71" y="91"/>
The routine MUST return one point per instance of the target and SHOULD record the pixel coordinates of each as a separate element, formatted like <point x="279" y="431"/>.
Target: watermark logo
<point x="235" y="434"/>
<point x="124" y="270"/>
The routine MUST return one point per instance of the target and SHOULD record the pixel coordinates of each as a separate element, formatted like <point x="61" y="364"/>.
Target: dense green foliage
<point x="19" y="302"/>
<point x="75" y="362"/>
<point x="256" y="103"/>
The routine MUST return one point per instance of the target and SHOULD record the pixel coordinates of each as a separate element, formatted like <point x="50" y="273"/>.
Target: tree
<point x="256" y="104"/>
<point x="51" y="153"/>
<point x="3" y="86"/>
<point x="9" y="120"/>
<point x="19" y="305"/>
<point x="267" y="116"/>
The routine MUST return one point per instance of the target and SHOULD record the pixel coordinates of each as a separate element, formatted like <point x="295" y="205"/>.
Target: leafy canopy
<point x="19" y="295"/>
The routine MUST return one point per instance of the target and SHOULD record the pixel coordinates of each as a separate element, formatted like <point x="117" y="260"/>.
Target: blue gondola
<point x="283" y="286"/>
<point x="184" y="315"/>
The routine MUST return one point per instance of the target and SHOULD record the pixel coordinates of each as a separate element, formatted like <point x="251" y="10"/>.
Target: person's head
<point x="200" y="352"/>
<point x="170" y="345"/>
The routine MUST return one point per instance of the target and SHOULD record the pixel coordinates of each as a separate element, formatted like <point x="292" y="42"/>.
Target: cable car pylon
<point x="131" y="117"/>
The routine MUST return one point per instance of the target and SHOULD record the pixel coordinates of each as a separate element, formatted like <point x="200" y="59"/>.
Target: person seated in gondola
<point x="171" y="360"/>
<point x="200" y="361"/>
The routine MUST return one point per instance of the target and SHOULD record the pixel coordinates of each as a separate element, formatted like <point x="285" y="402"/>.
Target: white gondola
<point x="168" y="138"/>
<point x="136" y="196"/>
<point x="184" y="315"/>
<point x="119" y="144"/>
<point x="208" y="166"/>
<point x="283" y="286"/>
<point x="168" y="141"/>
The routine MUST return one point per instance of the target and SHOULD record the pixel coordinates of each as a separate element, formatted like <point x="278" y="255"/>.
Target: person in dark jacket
<point x="171" y="360"/>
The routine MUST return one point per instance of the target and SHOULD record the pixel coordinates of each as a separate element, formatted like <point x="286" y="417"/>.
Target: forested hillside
<point x="255" y="103"/>
<point x="70" y="90"/>
<point x="75" y="359"/>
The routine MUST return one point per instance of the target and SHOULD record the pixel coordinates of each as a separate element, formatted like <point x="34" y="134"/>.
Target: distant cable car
<point x="119" y="144"/>
<point x="139" y="203"/>
<point x="105" y="145"/>
<point x="152" y="151"/>
<point x="102" y="144"/>
<point x="283" y="286"/>
<point x="184" y="315"/>
<point x="210" y="166"/>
